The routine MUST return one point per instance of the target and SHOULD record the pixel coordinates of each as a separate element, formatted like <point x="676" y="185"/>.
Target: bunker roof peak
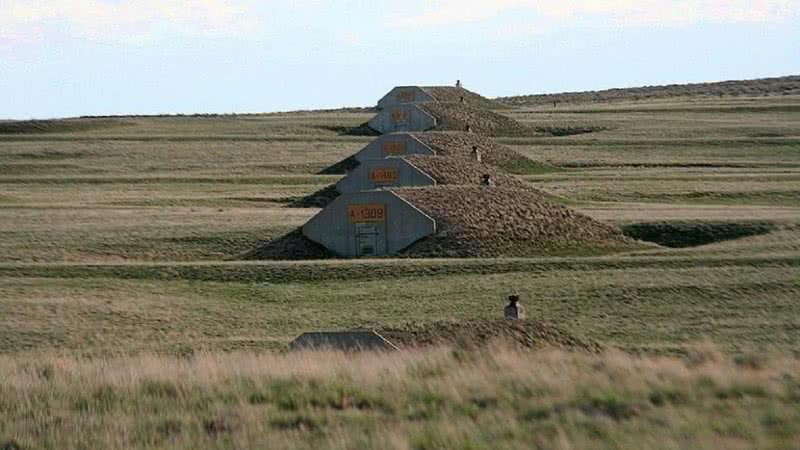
<point x="413" y="94"/>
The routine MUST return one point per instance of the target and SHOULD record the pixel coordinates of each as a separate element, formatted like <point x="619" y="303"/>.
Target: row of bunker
<point x="368" y="219"/>
<point x="416" y="191"/>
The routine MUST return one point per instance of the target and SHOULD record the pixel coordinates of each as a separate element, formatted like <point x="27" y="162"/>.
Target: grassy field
<point x="125" y="311"/>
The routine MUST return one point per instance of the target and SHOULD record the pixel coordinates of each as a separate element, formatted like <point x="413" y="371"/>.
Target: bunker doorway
<point x="368" y="241"/>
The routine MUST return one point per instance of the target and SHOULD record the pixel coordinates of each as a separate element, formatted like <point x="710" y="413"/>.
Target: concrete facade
<point x="394" y="144"/>
<point x="403" y="95"/>
<point x="382" y="173"/>
<point x="369" y="224"/>
<point x="347" y="341"/>
<point x="406" y="117"/>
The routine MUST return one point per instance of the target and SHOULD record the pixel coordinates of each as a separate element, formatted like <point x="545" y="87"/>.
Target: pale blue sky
<point x="91" y="57"/>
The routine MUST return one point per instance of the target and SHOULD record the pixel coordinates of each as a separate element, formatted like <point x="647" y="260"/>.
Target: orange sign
<point x="405" y="96"/>
<point x="394" y="148"/>
<point x="367" y="213"/>
<point x="386" y="175"/>
<point x="399" y="116"/>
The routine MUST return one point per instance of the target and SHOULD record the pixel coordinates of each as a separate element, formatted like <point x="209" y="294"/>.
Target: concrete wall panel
<point x="403" y="95"/>
<point x="392" y="222"/>
<point x="395" y="144"/>
<point x="387" y="172"/>
<point x="347" y="341"/>
<point x="402" y="118"/>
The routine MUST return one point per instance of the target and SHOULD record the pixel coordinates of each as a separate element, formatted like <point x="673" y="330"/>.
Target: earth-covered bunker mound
<point x="462" y="172"/>
<point x="421" y="170"/>
<point x="440" y="116"/>
<point x="410" y="171"/>
<point x="459" y="116"/>
<point x="451" y="143"/>
<point x="459" y="144"/>
<point x="450" y="222"/>
<point x="291" y="246"/>
<point x="529" y="334"/>
<point x="453" y="94"/>
<point x="479" y="221"/>
<point x="401" y="95"/>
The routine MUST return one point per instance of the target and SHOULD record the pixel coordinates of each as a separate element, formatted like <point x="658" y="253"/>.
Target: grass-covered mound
<point x="453" y="94"/>
<point x="457" y="116"/>
<point x="509" y="219"/>
<point x="528" y="334"/>
<point x="459" y="171"/>
<point x="480" y="221"/>
<point x="445" y="170"/>
<point x="292" y="246"/>
<point x="459" y="144"/>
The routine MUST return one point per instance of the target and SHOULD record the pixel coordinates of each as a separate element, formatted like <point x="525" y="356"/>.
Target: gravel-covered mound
<point x="445" y="170"/>
<point x="452" y="94"/>
<point x="461" y="171"/>
<point x="459" y="144"/>
<point x="529" y="334"/>
<point x="480" y="221"/>
<point x="456" y="117"/>
<point x="318" y="199"/>
<point x="292" y="246"/>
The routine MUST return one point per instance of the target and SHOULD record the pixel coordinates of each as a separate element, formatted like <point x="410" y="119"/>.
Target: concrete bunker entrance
<point x="400" y="119"/>
<point x="369" y="229"/>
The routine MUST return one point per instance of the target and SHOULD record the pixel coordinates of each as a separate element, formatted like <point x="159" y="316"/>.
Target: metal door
<point x="366" y="240"/>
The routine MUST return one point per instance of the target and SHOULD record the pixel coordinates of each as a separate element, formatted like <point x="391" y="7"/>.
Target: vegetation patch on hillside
<point x="789" y="85"/>
<point x="58" y="126"/>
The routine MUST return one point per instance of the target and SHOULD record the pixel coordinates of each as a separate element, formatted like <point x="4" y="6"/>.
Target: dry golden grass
<point x="117" y="295"/>
<point x="499" y="398"/>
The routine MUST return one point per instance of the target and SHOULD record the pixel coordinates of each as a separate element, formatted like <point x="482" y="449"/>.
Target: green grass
<point x="119" y="243"/>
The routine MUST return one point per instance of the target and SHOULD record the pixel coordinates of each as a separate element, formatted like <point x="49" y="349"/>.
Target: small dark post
<point x="468" y="128"/>
<point x="487" y="180"/>
<point x="513" y="310"/>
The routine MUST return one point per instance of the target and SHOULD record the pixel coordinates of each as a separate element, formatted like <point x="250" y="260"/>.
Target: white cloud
<point x="123" y="19"/>
<point x="630" y="12"/>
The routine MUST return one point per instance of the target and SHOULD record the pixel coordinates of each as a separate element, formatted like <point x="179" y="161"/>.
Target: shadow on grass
<point x="693" y="234"/>
<point x="342" y="130"/>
